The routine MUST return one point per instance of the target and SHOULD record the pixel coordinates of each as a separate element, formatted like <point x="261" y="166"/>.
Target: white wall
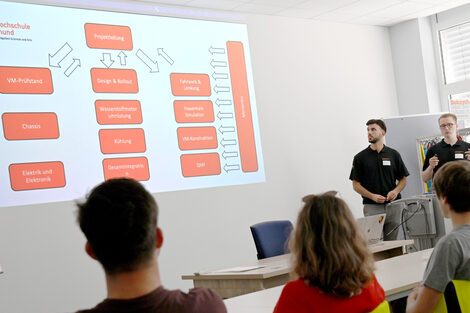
<point x="316" y="86"/>
<point x="431" y="61"/>
<point x="414" y="62"/>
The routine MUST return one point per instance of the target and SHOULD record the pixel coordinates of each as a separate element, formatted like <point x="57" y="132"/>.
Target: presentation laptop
<point x="372" y="227"/>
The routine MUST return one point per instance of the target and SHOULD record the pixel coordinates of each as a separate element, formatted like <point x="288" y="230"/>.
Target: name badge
<point x="386" y="162"/>
<point x="458" y="155"/>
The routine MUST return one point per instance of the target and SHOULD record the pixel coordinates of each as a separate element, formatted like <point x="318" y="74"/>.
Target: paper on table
<point x="238" y="269"/>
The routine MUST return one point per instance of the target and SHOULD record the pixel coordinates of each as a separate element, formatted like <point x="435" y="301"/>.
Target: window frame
<point x="443" y="21"/>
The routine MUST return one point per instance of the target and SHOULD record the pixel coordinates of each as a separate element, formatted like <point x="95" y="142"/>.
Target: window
<point x="453" y="33"/>
<point x="455" y="49"/>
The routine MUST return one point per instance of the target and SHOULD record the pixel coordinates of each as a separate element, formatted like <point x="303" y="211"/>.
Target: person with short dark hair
<point x="450" y="148"/>
<point x="119" y="220"/>
<point x="331" y="259"/>
<point x="450" y="259"/>
<point x="378" y="122"/>
<point x="378" y="173"/>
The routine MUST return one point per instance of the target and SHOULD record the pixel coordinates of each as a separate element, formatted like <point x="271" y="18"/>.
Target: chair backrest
<point x="455" y="298"/>
<point x="271" y="237"/>
<point x="382" y="308"/>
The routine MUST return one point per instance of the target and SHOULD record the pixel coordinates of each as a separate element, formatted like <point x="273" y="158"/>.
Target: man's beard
<point x="373" y="140"/>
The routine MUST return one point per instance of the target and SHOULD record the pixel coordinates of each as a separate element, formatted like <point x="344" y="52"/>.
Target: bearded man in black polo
<point x="378" y="173"/>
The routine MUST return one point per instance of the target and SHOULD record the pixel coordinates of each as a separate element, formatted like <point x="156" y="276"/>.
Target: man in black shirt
<point x="451" y="148"/>
<point x="119" y="220"/>
<point x="376" y="171"/>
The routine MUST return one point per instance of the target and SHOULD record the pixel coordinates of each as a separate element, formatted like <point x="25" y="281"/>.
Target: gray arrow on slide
<point x="213" y="50"/>
<point x="122" y="57"/>
<point x="218" y="88"/>
<point x="106" y="60"/>
<point x="222" y="115"/>
<point x="60" y="55"/>
<point x="164" y="55"/>
<point x="219" y="75"/>
<point x="226" y="129"/>
<point x="231" y="167"/>
<point x="220" y="102"/>
<point x="153" y="65"/>
<point x="215" y="63"/>
<point x="228" y="142"/>
<point x="76" y="63"/>
<point x="229" y="154"/>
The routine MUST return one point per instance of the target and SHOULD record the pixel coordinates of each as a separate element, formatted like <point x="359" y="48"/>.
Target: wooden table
<point x="275" y="271"/>
<point x="398" y="276"/>
<point x="388" y="249"/>
<point x="272" y="272"/>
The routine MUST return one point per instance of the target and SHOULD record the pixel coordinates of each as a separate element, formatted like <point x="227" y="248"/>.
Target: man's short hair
<point x="119" y="220"/>
<point x="452" y="181"/>
<point x="453" y="116"/>
<point x="378" y="122"/>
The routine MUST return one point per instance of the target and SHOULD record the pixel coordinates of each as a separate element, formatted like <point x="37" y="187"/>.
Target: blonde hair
<point x="453" y="116"/>
<point x="328" y="249"/>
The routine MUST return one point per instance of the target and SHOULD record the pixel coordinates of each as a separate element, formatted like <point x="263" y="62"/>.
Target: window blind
<point x="455" y="51"/>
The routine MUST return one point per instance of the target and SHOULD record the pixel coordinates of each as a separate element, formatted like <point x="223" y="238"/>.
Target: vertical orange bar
<point x="241" y="102"/>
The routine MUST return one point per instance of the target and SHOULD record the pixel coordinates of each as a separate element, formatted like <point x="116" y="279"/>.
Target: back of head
<point x="119" y="220"/>
<point x="452" y="181"/>
<point x="329" y="250"/>
<point x="377" y="122"/>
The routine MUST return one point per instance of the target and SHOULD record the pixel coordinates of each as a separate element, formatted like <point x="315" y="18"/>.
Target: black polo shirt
<point x="378" y="172"/>
<point x="446" y="153"/>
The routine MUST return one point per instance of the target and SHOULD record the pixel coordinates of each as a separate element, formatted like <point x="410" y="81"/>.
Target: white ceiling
<point x="369" y="12"/>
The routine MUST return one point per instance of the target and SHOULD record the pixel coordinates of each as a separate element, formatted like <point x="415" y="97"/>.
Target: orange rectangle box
<point x="118" y="112"/>
<point x="106" y="80"/>
<point x="115" y="37"/>
<point x="183" y="84"/>
<point x="193" y="138"/>
<point x="28" y="176"/>
<point x="194" y="111"/>
<point x="25" y="80"/>
<point x="242" y="106"/>
<point x="136" y="168"/>
<point x="24" y="126"/>
<point x="122" y="140"/>
<point x="200" y="164"/>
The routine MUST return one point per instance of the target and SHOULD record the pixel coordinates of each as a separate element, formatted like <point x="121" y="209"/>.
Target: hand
<point x="413" y="295"/>
<point x="378" y="198"/>
<point x="433" y="161"/>
<point x="392" y="195"/>
<point x="467" y="154"/>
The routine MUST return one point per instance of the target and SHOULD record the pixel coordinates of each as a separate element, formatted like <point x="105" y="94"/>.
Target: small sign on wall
<point x="461" y="108"/>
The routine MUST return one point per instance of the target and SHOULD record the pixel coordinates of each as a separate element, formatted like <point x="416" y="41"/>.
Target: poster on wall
<point x="89" y="95"/>
<point x="460" y="106"/>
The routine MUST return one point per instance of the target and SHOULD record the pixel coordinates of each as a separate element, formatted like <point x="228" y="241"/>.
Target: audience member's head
<point x="451" y="183"/>
<point x="119" y="220"/>
<point x="329" y="250"/>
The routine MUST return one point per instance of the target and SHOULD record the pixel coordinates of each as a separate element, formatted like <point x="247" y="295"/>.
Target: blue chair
<point x="271" y="238"/>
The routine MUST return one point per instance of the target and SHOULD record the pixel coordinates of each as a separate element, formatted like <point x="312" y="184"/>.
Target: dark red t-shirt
<point x="165" y="301"/>
<point x="299" y="297"/>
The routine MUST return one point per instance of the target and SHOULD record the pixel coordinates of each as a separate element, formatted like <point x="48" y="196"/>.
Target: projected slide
<point x="90" y="95"/>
